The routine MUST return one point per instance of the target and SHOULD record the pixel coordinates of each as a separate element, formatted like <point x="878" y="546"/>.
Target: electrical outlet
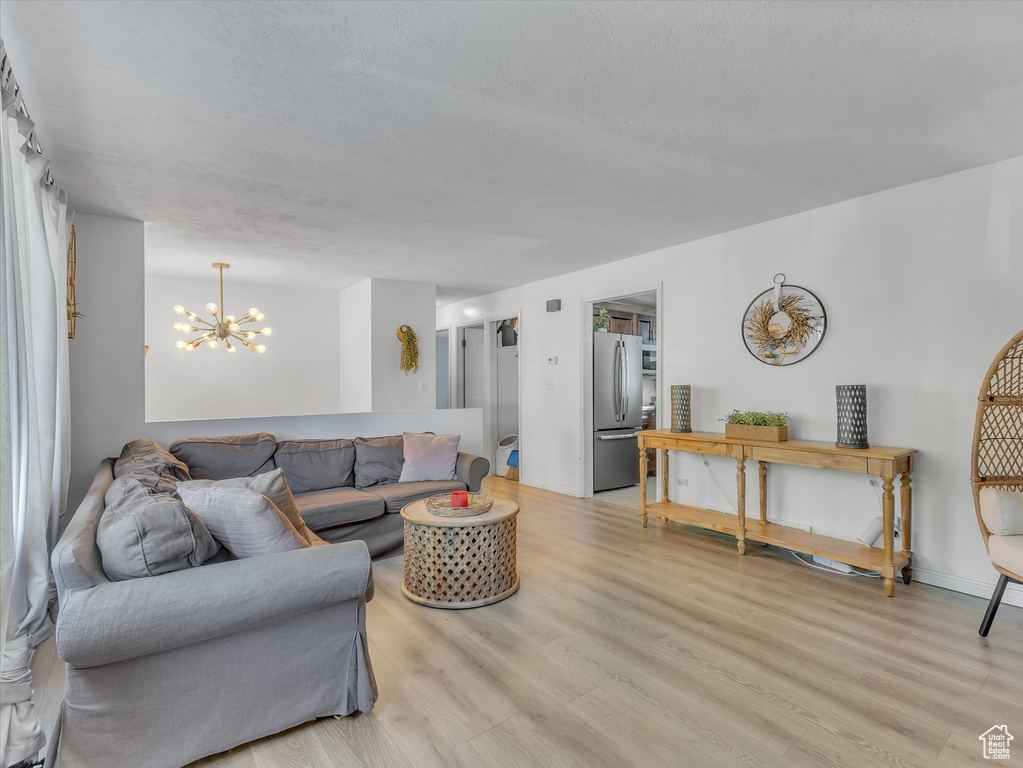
<point x="548" y="385"/>
<point x="422" y="385"/>
<point x="683" y="481"/>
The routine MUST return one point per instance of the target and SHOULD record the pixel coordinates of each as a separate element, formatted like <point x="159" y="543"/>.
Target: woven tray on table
<point x="479" y="503"/>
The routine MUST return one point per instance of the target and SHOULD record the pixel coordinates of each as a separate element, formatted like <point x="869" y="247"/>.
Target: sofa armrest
<point x="471" y="470"/>
<point x="121" y="620"/>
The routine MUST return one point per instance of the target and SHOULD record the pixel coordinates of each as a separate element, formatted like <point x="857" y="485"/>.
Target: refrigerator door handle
<point x="621" y="380"/>
<point x="617" y="385"/>
<point x="628" y="381"/>
<point x="617" y="437"/>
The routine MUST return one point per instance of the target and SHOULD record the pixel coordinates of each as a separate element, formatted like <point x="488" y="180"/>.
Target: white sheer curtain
<point x="34" y="415"/>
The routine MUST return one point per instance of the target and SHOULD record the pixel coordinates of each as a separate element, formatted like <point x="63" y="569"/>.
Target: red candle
<point x="459" y="499"/>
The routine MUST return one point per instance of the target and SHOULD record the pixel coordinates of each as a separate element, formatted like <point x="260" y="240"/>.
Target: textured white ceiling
<point x="482" y="145"/>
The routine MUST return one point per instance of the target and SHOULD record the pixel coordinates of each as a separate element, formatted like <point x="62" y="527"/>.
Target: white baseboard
<point x="1013" y="593"/>
<point x="564" y="490"/>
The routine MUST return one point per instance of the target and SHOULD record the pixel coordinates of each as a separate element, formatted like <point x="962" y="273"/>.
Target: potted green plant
<point x="757" y="425"/>
<point x="603" y="322"/>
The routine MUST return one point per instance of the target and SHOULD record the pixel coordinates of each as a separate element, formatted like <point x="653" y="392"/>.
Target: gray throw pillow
<point x="217" y="458"/>
<point x="162" y="483"/>
<point x="246" y="522"/>
<point x="273" y="485"/>
<point x="429" y="457"/>
<point x="147" y="455"/>
<point x="145" y="533"/>
<point x="314" y="465"/>
<point x="378" y="460"/>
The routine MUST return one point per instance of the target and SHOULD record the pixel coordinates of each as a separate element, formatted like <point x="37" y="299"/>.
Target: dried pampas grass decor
<point x="409" y="349"/>
<point x="783" y="328"/>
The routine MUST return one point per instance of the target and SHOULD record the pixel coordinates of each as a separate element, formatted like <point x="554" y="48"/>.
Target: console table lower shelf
<point x="849" y="552"/>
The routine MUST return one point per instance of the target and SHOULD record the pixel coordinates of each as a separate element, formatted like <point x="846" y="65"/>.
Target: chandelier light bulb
<point x="260" y="348"/>
<point x="253" y="311"/>
<point x="266" y="332"/>
<point x="212" y="344"/>
<point x="250" y="335"/>
<point x="260" y="317"/>
<point x="211" y="308"/>
<point x="230" y="319"/>
<point x="190" y="348"/>
<point x="178" y="309"/>
<point x="234" y="327"/>
<point x="231" y="349"/>
<point x="180" y="345"/>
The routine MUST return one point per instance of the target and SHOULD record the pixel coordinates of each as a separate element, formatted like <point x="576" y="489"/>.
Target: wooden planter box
<point x="750" y="432"/>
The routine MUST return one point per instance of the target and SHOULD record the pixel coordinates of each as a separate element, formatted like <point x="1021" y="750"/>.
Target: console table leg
<point x="888" y="508"/>
<point x="763" y="491"/>
<point x="664" y="476"/>
<point x="906" y="509"/>
<point x="642" y="483"/>
<point x="740" y="477"/>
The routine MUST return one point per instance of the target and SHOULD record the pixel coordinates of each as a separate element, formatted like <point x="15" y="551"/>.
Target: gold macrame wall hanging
<point x="409" y="349"/>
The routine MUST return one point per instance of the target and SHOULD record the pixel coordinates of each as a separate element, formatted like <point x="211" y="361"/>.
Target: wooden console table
<point x="886" y="462"/>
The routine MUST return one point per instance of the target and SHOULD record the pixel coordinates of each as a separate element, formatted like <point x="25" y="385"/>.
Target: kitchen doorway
<point x="622" y="396"/>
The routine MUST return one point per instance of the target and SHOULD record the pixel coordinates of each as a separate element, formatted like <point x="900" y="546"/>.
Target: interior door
<point x="472" y="367"/>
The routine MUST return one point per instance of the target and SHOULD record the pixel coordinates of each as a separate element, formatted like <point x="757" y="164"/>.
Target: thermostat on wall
<point x="552" y="360"/>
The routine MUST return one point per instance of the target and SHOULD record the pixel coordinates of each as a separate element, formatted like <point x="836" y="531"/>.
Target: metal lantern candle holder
<point x="681" y="408"/>
<point x="852" y="415"/>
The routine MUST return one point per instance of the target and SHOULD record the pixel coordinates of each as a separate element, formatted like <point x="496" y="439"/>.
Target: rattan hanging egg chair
<point x="997" y="460"/>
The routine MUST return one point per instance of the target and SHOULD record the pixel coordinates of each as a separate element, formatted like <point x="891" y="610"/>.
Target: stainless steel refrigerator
<point x="617" y="409"/>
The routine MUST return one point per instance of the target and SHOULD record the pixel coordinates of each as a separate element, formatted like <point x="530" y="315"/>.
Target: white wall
<point x="107" y="372"/>
<point x="298" y="373"/>
<point x="442" y="372"/>
<point x="396" y="303"/>
<point x="356" y="349"/>
<point x="922" y="286"/>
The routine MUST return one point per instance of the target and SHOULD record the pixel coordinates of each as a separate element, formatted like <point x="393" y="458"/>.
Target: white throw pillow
<point x="247" y="523"/>
<point x="1002" y="511"/>
<point x="429" y="457"/>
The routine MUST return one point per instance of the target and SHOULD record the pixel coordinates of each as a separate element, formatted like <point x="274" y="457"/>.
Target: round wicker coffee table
<point x="460" y="562"/>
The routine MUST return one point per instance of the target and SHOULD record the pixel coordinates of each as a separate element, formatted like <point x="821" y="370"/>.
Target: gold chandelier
<point x="223" y="328"/>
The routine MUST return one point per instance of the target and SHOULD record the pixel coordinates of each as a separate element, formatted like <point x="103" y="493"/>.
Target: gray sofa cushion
<point x="161" y="483"/>
<point x="378" y="460"/>
<point x="147" y="455"/>
<point x="246" y="522"/>
<point x="218" y="458"/>
<point x="337" y="506"/>
<point x="397" y="495"/>
<point x="312" y="465"/>
<point x="273" y="485"/>
<point x="145" y="533"/>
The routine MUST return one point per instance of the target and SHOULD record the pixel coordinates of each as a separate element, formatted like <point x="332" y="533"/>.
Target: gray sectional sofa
<point x="166" y="669"/>
<point x="346" y="490"/>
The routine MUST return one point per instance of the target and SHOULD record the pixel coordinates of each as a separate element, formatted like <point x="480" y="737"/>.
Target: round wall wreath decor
<point x="409" y="349"/>
<point x="784" y="324"/>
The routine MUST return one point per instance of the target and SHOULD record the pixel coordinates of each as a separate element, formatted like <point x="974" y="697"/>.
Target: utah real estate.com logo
<point x="996" y="742"/>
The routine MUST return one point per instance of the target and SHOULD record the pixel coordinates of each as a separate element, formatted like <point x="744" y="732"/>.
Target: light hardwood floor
<point x="662" y="647"/>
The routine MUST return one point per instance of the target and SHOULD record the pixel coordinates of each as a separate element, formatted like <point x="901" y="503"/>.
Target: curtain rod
<point x="13" y="99"/>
